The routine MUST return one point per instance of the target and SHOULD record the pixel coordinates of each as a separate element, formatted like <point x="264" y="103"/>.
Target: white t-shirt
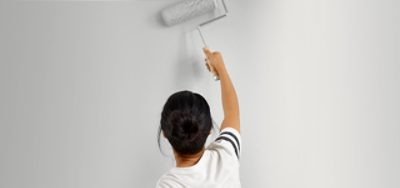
<point x="217" y="168"/>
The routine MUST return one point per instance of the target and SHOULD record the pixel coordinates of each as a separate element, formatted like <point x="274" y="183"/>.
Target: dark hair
<point x="186" y="122"/>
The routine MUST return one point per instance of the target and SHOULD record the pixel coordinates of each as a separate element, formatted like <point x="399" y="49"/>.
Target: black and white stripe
<point x="227" y="136"/>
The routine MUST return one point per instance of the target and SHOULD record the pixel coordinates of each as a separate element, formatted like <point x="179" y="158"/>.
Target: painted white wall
<point x="82" y="86"/>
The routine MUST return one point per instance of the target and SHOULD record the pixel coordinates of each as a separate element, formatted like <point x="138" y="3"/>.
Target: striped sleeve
<point x="232" y="138"/>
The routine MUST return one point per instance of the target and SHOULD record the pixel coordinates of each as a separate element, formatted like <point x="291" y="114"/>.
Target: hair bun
<point x="189" y="127"/>
<point x="185" y="126"/>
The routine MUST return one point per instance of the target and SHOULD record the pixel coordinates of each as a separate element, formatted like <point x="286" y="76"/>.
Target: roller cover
<point x="186" y="10"/>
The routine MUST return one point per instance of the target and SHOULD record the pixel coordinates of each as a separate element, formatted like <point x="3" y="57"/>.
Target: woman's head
<point x="186" y="122"/>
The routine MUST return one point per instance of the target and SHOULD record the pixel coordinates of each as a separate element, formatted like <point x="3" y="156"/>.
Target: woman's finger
<point x="207" y="52"/>
<point x="208" y="67"/>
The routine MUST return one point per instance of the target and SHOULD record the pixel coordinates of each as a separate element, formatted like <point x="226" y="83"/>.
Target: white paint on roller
<point x="186" y="10"/>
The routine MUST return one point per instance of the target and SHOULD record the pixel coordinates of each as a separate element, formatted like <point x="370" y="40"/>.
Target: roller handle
<point x="211" y="68"/>
<point x="208" y="64"/>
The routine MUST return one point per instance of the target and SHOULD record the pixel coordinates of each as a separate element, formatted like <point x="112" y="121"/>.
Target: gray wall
<point x="82" y="86"/>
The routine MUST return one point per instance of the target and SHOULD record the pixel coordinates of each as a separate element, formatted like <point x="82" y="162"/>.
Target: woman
<point x="186" y="123"/>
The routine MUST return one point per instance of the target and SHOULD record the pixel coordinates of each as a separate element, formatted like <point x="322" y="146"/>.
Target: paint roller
<point x="189" y="9"/>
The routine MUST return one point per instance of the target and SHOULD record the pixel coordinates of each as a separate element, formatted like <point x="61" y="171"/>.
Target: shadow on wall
<point x="189" y="67"/>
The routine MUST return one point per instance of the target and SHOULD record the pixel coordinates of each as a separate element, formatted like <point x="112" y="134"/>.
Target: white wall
<point x="83" y="83"/>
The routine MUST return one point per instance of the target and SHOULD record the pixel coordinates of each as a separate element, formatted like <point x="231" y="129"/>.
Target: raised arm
<point x="230" y="103"/>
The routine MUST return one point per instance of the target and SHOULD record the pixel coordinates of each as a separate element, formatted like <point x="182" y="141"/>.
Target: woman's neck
<point x="187" y="160"/>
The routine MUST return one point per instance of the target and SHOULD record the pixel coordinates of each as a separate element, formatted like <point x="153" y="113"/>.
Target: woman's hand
<point x="214" y="62"/>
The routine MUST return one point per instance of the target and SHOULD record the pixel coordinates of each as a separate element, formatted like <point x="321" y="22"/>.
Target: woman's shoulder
<point x="227" y="144"/>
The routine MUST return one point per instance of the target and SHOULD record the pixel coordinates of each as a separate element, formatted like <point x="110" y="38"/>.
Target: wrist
<point x="222" y="71"/>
